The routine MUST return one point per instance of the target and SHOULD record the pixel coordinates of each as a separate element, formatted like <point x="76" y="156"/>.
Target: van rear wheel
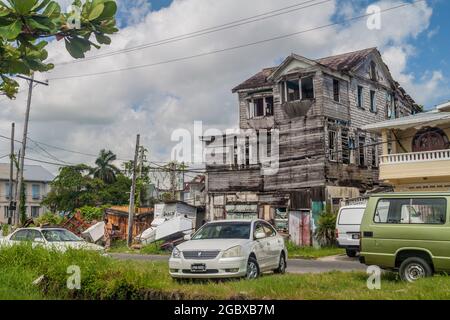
<point x="413" y="269"/>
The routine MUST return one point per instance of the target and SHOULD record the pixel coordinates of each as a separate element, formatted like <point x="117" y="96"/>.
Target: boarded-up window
<point x="373" y="71"/>
<point x="336" y="90"/>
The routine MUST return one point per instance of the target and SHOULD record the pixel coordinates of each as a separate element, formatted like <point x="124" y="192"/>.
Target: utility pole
<point x="20" y="182"/>
<point x="11" y="207"/>
<point x="173" y="177"/>
<point x="141" y="164"/>
<point x="132" y="194"/>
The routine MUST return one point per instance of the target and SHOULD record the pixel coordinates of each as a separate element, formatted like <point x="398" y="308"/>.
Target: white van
<point x="348" y="227"/>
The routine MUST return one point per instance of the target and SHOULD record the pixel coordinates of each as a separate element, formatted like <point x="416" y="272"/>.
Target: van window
<point x="351" y="216"/>
<point x="411" y="211"/>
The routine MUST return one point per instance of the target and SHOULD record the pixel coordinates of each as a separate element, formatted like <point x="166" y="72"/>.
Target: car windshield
<point x="226" y="230"/>
<point x="60" y="236"/>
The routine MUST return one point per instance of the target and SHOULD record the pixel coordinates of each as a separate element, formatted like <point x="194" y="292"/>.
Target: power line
<point x="194" y="34"/>
<point x="230" y="48"/>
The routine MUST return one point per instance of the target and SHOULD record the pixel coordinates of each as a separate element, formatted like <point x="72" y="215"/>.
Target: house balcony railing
<point x="415" y="167"/>
<point x="416" y="157"/>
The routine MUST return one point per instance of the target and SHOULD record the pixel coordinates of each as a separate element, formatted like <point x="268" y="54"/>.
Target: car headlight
<point x="233" y="252"/>
<point x="176" y="253"/>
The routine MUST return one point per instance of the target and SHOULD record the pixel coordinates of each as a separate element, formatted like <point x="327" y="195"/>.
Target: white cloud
<point x="88" y="114"/>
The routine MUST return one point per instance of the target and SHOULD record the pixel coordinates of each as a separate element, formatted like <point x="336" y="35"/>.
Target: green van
<point x="408" y="233"/>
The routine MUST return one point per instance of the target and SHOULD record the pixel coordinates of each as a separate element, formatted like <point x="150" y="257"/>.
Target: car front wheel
<point x="252" y="268"/>
<point x="413" y="269"/>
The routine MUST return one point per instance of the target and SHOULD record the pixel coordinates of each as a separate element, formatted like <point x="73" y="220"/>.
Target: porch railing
<point x="416" y="157"/>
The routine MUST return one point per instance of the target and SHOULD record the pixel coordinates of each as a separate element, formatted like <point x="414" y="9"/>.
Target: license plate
<point x="198" y="268"/>
<point x="355" y="236"/>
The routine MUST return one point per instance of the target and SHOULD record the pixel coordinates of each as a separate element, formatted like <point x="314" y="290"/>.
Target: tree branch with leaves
<point x="25" y="24"/>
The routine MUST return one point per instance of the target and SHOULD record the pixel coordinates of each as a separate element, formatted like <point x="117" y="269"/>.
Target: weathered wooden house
<point x="316" y="108"/>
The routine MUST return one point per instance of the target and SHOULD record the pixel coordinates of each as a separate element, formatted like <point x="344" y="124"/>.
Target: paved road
<point x="338" y="263"/>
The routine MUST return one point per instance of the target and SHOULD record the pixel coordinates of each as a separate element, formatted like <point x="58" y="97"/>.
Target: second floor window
<point x="373" y="101"/>
<point x="362" y="150"/>
<point x="260" y="107"/>
<point x="298" y="89"/>
<point x="36" y="191"/>
<point x="336" y="90"/>
<point x="8" y="191"/>
<point x="333" y="145"/>
<point x="360" y="97"/>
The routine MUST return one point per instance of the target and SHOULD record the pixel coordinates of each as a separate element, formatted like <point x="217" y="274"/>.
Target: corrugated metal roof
<point x="31" y="173"/>
<point x="432" y="118"/>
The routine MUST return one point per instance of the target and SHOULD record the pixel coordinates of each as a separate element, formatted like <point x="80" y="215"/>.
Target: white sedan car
<point x="226" y="249"/>
<point x="49" y="238"/>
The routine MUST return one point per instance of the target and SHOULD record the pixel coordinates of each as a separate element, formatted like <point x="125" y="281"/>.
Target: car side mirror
<point x="260" y="235"/>
<point x="187" y="237"/>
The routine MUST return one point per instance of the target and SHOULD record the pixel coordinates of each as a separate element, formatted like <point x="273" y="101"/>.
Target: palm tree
<point x="104" y="169"/>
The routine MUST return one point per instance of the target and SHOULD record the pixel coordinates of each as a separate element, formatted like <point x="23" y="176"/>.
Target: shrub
<point x="326" y="228"/>
<point x="49" y="219"/>
<point x="92" y="213"/>
<point x="5" y="230"/>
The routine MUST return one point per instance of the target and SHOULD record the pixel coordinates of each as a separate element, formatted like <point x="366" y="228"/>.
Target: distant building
<point x="416" y="151"/>
<point x="195" y="191"/>
<point x="37" y="185"/>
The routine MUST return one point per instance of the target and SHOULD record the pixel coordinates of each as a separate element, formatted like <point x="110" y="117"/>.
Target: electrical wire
<point x="245" y="45"/>
<point x="201" y="32"/>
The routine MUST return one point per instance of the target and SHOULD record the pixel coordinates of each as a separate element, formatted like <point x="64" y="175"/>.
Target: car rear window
<point x="411" y="211"/>
<point x="351" y="216"/>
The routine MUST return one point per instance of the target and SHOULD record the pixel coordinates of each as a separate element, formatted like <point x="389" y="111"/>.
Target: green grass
<point x="151" y="249"/>
<point x="296" y="252"/>
<point x="105" y="278"/>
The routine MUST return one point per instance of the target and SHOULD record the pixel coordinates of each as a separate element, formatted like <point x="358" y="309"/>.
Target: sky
<point x="87" y="114"/>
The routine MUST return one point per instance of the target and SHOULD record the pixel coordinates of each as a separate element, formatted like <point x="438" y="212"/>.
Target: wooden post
<point x="131" y="210"/>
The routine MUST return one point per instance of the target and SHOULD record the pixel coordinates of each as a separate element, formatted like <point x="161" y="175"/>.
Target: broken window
<point x="269" y="106"/>
<point x="259" y="107"/>
<point x="352" y="148"/>
<point x="293" y="90"/>
<point x="332" y="145"/>
<point x="373" y="101"/>
<point x="336" y="90"/>
<point x="362" y="150"/>
<point x="307" y="88"/>
<point x="374" y="153"/>
<point x="360" y="97"/>
<point x="299" y="89"/>
<point x="345" y="140"/>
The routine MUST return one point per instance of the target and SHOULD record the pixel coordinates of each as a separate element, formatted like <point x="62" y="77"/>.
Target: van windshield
<point x="351" y="216"/>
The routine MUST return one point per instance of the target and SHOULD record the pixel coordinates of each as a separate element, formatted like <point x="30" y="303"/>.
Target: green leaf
<point x="38" y="7"/>
<point x="96" y="12"/>
<point x="77" y="47"/>
<point x="24" y="7"/>
<point x="11" y="31"/>
<point x="53" y="10"/>
<point x="102" y="39"/>
<point x="109" y="11"/>
<point x="35" y="25"/>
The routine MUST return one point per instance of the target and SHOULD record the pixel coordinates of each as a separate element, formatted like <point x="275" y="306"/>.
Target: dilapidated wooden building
<point x="309" y="114"/>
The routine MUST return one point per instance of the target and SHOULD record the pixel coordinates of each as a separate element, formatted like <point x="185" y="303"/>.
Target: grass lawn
<point x="296" y="252"/>
<point x="105" y="278"/>
<point x="293" y="251"/>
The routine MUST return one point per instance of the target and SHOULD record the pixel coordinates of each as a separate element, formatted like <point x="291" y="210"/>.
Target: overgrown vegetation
<point x="120" y="246"/>
<point x="326" y="228"/>
<point x="105" y="278"/>
<point x="49" y="218"/>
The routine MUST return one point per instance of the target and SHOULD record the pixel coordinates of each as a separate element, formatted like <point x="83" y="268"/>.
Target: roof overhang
<point x="417" y="121"/>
